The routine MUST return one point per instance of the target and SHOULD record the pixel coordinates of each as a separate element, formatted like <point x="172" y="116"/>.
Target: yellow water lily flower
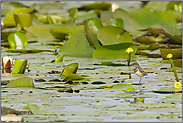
<point x="169" y="55"/>
<point x="129" y="50"/>
<point x="97" y="104"/>
<point x="177" y="85"/>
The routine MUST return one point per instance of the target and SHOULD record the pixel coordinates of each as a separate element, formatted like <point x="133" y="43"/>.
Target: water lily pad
<point x="17" y="40"/>
<point x="153" y="105"/>
<point x="57" y="18"/>
<point x="69" y="69"/>
<point x="34" y="109"/>
<point x="151" y="18"/>
<point x="9" y="18"/>
<point x="114" y="51"/>
<point x="106" y="15"/>
<point x="121" y="86"/>
<point x="103" y="6"/>
<point x="93" y="24"/>
<point x="73" y="13"/>
<point x="168" y="90"/>
<point x="73" y="77"/>
<point x="109" y="35"/>
<point x="19" y="66"/>
<point x="40" y="32"/>
<point x="130" y="24"/>
<point x="25" y="19"/>
<point x="150" y="39"/>
<point x="129" y="90"/>
<point x="177" y="53"/>
<point x="27" y="50"/>
<point x="77" y="45"/>
<point x="60" y="32"/>
<point x="58" y="59"/>
<point x="21" y="82"/>
<point x="117" y="22"/>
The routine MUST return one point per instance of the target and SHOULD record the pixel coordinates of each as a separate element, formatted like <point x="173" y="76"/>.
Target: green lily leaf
<point x="82" y="15"/>
<point x="168" y="90"/>
<point x="150" y="39"/>
<point x="22" y="82"/>
<point x="58" y="59"/>
<point x="109" y="35"/>
<point x="117" y="22"/>
<point x="25" y="20"/>
<point x="114" y="51"/>
<point x="129" y="90"/>
<point x="171" y="30"/>
<point x="102" y="6"/>
<point x="9" y="18"/>
<point x="34" y="109"/>
<point x="60" y="32"/>
<point x="141" y="100"/>
<point x="78" y="45"/>
<point x="26" y="50"/>
<point x="121" y="86"/>
<point x="93" y="24"/>
<point x="27" y="107"/>
<point x="130" y="24"/>
<point x="177" y="53"/>
<point x="40" y="32"/>
<point x="17" y="40"/>
<point x="19" y="66"/>
<point x="57" y="18"/>
<point x="157" y="5"/>
<point x="73" y="77"/>
<point x="152" y="18"/>
<point x="69" y="24"/>
<point x="69" y="69"/>
<point x="73" y="13"/>
<point x="106" y="15"/>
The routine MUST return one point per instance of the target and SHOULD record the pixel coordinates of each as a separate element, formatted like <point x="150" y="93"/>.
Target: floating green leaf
<point x="60" y="32"/>
<point x="109" y="35"/>
<point x="73" y="13"/>
<point x="114" y="51"/>
<point x="69" y="69"/>
<point x="153" y="105"/>
<point x="77" y="45"/>
<point x="17" y="40"/>
<point x="44" y="18"/>
<point x="130" y="24"/>
<point x="9" y="18"/>
<point x="19" y="66"/>
<point x="73" y="77"/>
<point x="151" y="18"/>
<point x="28" y="108"/>
<point x="129" y="90"/>
<point x="177" y="53"/>
<point x="22" y="82"/>
<point x="93" y="24"/>
<point x="25" y="19"/>
<point x="168" y="90"/>
<point x="117" y="22"/>
<point x="34" y="109"/>
<point x="121" y="86"/>
<point x="105" y="15"/>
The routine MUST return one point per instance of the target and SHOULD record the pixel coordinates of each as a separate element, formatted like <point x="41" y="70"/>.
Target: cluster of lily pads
<point x="97" y="31"/>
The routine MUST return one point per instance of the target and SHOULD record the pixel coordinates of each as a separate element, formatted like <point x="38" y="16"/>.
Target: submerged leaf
<point x="73" y="77"/>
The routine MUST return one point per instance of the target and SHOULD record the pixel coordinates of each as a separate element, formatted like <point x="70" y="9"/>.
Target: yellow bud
<point x="177" y="85"/>
<point x="86" y="104"/>
<point x="97" y="104"/>
<point x="129" y="50"/>
<point x="169" y="55"/>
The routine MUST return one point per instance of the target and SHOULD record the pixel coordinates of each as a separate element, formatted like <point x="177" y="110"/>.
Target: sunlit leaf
<point x="17" y="40"/>
<point x="21" y="82"/>
<point x="19" y="66"/>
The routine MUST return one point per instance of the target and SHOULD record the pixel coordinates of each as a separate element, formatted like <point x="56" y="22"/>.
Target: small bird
<point x="138" y="71"/>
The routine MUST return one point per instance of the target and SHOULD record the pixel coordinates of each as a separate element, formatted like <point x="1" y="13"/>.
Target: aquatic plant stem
<point x="129" y="58"/>
<point x="174" y="70"/>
